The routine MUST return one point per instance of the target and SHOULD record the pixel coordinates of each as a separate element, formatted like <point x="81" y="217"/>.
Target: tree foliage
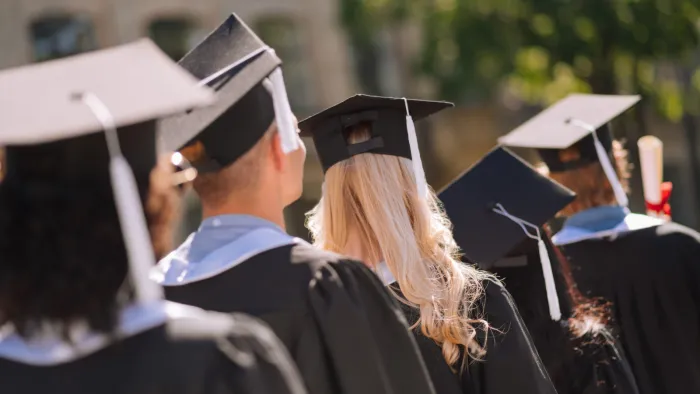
<point x="541" y="50"/>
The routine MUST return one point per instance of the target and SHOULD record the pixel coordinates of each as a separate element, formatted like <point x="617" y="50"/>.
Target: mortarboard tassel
<point x="275" y="86"/>
<point x="604" y="159"/>
<point x="131" y="218"/>
<point x="283" y="111"/>
<point x="418" y="171"/>
<point x="548" y="274"/>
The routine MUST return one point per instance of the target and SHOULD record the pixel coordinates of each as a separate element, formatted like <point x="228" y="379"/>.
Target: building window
<point x="175" y="36"/>
<point x="283" y="35"/>
<point x="55" y="37"/>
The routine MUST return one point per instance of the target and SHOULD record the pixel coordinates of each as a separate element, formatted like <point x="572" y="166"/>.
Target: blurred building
<point x="303" y="32"/>
<point x="320" y="66"/>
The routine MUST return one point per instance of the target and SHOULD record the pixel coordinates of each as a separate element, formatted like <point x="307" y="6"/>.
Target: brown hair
<point x="590" y="184"/>
<point x="589" y="316"/>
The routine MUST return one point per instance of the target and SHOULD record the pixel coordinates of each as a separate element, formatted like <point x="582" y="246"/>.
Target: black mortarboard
<point x="499" y="177"/>
<point x="391" y="132"/>
<point x="498" y="203"/>
<point x="247" y="76"/>
<point x="54" y="122"/>
<point x="572" y="122"/>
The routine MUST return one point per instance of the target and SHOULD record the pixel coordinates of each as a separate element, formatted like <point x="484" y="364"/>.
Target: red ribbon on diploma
<point x="663" y="207"/>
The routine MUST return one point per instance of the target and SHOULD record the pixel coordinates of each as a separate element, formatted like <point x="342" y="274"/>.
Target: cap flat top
<point x="552" y="129"/>
<point x="499" y="178"/>
<point x="136" y="82"/>
<point x="418" y="109"/>
<point x="232" y="43"/>
<point x="229" y="43"/>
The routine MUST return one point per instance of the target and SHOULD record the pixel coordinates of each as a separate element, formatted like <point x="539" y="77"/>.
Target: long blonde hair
<point x="375" y="196"/>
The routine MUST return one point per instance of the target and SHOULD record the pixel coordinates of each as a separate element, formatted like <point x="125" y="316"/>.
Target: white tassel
<point x="283" y="111"/>
<point x="604" y="160"/>
<point x="418" y="171"/>
<point x="552" y="298"/>
<point x="547" y="273"/>
<point x="274" y="84"/>
<point x="134" y="230"/>
<point x="129" y="209"/>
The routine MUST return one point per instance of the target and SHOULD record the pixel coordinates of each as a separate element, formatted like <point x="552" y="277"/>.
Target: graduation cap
<point x="577" y="120"/>
<point x="84" y="120"/>
<point x="498" y="203"/>
<point x="247" y="77"/>
<point x="391" y="126"/>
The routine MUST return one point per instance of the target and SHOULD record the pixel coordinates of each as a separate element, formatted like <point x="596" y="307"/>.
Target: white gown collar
<point x="51" y="349"/>
<point x="384" y="273"/>
<point x="177" y="270"/>
<point x="572" y="234"/>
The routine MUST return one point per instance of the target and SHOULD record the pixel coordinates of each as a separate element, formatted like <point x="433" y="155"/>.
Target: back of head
<point x="62" y="251"/>
<point x="214" y="188"/>
<point x="371" y="200"/>
<point x="589" y="181"/>
<point x="263" y="175"/>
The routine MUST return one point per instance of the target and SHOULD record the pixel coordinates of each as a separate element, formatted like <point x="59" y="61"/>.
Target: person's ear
<point x="279" y="158"/>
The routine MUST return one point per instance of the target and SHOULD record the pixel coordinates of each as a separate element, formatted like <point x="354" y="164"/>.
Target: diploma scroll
<point x="656" y="192"/>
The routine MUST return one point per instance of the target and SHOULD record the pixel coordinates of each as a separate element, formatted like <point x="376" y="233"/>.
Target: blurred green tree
<point x="541" y="50"/>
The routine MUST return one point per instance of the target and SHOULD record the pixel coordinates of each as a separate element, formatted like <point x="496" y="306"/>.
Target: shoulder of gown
<point x="511" y="363"/>
<point x="604" y="368"/>
<point x="363" y="329"/>
<point x="190" y="352"/>
<point x="247" y="357"/>
<point x="652" y="278"/>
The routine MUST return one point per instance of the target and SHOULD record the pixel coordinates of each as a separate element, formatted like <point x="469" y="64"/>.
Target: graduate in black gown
<point x="340" y="325"/>
<point x="78" y="313"/>
<point x="569" y="331"/>
<point x="648" y="270"/>
<point x="376" y="206"/>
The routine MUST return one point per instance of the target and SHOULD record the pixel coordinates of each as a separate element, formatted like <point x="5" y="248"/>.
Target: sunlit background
<point x="501" y="61"/>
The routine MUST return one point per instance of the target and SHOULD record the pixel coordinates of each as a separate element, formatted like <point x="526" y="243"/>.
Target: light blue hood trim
<point x="600" y="223"/>
<point x="51" y="349"/>
<point x="176" y="270"/>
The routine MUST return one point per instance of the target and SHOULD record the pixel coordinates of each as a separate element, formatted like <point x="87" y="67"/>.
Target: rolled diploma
<point x="651" y="160"/>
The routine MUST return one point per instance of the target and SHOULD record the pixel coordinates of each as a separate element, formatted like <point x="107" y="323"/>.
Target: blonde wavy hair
<point x="374" y="198"/>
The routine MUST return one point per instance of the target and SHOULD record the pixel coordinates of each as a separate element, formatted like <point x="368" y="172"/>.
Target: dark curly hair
<point x="570" y="349"/>
<point x="62" y="252"/>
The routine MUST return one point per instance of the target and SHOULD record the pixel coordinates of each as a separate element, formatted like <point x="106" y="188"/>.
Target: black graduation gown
<point x="652" y="278"/>
<point x="205" y="354"/>
<point x="511" y="364"/>
<point x="341" y="327"/>
<point x="586" y="365"/>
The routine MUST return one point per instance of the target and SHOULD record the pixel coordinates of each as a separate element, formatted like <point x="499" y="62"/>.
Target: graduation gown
<point x="341" y="327"/>
<point x="652" y="278"/>
<point x="511" y="363"/>
<point x="183" y="351"/>
<point x="592" y="364"/>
